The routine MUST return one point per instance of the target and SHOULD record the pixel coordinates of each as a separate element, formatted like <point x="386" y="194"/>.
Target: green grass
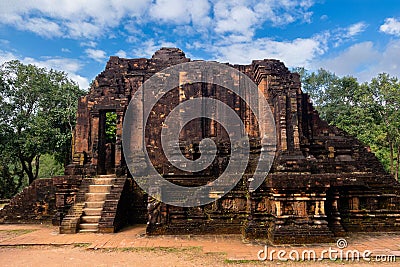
<point x="8" y="234"/>
<point x="157" y="249"/>
<point x="17" y="232"/>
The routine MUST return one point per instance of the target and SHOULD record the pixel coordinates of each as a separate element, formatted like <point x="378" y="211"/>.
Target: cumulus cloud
<point x="286" y="11"/>
<point x="243" y="18"/>
<point x="74" y="19"/>
<point x="364" y="61"/>
<point x="94" y="18"/>
<point x="150" y="46"/>
<point x="181" y="12"/>
<point x="6" y="56"/>
<point x="96" y="54"/>
<point x="121" y="53"/>
<point x="233" y="17"/>
<point x="391" y="26"/>
<point x="40" y="26"/>
<point x="83" y="29"/>
<point x="170" y="10"/>
<point x="227" y="28"/>
<point x="299" y="52"/>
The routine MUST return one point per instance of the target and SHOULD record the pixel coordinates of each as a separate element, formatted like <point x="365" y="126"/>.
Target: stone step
<point x="90" y="219"/>
<point x="99" y="188"/>
<point x="89" y="226"/>
<point x="94" y="204"/>
<point x="106" y="176"/>
<point x="103" y="181"/>
<point x="95" y="197"/>
<point x="88" y="230"/>
<point x="92" y="212"/>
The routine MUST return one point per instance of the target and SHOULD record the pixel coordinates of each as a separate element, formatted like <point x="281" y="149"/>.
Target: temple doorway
<point x="107" y="140"/>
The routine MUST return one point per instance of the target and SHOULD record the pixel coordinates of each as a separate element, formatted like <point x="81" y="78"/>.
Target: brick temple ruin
<point x="322" y="184"/>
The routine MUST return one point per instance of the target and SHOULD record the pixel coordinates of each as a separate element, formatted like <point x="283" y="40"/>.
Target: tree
<point x="38" y="109"/>
<point x="316" y="84"/>
<point x="384" y="100"/>
<point x="368" y="111"/>
<point x="111" y="127"/>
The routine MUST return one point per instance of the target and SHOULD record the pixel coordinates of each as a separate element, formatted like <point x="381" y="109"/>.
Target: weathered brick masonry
<point x="323" y="182"/>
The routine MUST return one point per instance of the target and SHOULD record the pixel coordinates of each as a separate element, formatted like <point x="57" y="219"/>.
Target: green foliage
<point x="11" y="177"/>
<point x="316" y="84"/>
<point x="111" y="127"/>
<point x="50" y="167"/>
<point x="369" y="111"/>
<point x="37" y="115"/>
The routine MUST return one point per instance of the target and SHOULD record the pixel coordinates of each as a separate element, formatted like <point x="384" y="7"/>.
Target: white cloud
<point x="284" y="12"/>
<point x="83" y="82"/>
<point x="96" y="54"/>
<point x="91" y="19"/>
<point x="121" y="53"/>
<point x="75" y="19"/>
<point x="40" y="26"/>
<point x="170" y="10"/>
<point x="299" y="52"/>
<point x="350" y="60"/>
<point x="364" y="61"/>
<point x="89" y="44"/>
<point x="236" y="19"/>
<point x="190" y="12"/>
<point x="391" y="26"/>
<point x="355" y="29"/>
<point x="242" y="18"/>
<point x="66" y="64"/>
<point x="199" y="12"/>
<point x="342" y="35"/>
<point x="6" y="56"/>
<point x="150" y="46"/>
<point x="83" y="29"/>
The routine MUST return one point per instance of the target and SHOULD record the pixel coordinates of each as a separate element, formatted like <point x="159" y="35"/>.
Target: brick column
<point x="94" y="149"/>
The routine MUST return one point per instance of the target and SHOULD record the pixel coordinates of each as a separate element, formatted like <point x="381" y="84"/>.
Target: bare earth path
<point x="41" y="245"/>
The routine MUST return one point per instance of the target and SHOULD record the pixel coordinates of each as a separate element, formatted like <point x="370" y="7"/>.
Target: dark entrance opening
<point x="107" y="139"/>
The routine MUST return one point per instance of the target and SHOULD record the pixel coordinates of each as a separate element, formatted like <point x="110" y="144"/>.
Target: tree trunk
<point x="37" y="163"/>
<point x="396" y="176"/>
<point x="30" y="173"/>
<point x="391" y="158"/>
<point x="27" y="168"/>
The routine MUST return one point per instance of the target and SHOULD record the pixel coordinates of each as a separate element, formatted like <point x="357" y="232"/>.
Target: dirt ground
<point x="195" y="253"/>
<point x="81" y="256"/>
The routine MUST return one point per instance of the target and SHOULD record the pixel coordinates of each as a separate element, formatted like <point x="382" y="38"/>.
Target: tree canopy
<point x="37" y="116"/>
<point x="368" y="111"/>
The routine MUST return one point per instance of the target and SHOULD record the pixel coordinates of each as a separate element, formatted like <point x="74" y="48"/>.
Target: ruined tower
<point x="322" y="183"/>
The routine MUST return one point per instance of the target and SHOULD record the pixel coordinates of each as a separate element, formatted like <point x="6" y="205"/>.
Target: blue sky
<point x="352" y="37"/>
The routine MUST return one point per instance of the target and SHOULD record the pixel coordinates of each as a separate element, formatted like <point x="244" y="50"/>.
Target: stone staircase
<point x="96" y="207"/>
<point x="94" y="203"/>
